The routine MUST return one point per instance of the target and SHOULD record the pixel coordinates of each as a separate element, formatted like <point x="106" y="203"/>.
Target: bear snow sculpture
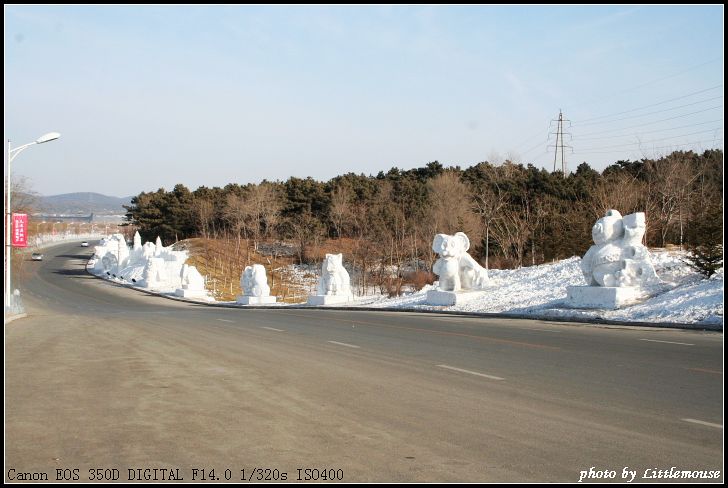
<point x="334" y="277"/>
<point x="618" y="258"/>
<point x="254" y="282"/>
<point x="456" y="268"/>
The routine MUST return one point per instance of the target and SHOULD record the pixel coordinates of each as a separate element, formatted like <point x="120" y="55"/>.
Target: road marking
<point x="544" y="330"/>
<point x="437" y="332"/>
<point x="705" y="370"/>
<point x="344" y="344"/>
<point x="225" y="320"/>
<point x="701" y="422"/>
<point x="271" y="328"/>
<point x="469" y="372"/>
<point x="668" y="342"/>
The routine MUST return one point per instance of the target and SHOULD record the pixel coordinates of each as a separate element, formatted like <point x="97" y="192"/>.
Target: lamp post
<point x="12" y="153"/>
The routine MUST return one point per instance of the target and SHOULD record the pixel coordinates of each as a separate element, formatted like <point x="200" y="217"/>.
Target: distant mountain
<point x="82" y="204"/>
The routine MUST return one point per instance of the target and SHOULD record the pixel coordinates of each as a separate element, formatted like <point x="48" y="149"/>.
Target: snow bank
<point x="684" y="296"/>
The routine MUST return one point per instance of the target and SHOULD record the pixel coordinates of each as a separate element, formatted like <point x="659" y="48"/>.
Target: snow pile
<point x="684" y="296"/>
<point x="150" y="266"/>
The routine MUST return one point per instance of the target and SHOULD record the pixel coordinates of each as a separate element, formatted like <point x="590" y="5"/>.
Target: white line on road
<point x="544" y="330"/>
<point x="469" y="372"/>
<point x="344" y="344"/>
<point x="224" y="320"/>
<point x="271" y="328"/>
<point x="668" y="342"/>
<point x="701" y="422"/>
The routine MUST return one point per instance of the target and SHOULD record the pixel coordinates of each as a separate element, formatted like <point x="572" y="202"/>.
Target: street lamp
<point x="12" y="153"/>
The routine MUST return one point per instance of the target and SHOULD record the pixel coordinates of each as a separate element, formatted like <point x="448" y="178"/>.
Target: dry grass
<point x="222" y="261"/>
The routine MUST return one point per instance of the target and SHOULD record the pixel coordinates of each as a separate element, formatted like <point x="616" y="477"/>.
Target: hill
<point x="82" y="203"/>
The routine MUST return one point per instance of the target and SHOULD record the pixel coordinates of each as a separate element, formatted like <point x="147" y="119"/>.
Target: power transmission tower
<point x="560" y="141"/>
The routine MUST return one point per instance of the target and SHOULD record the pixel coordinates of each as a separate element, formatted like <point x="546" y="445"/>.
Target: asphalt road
<point x="101" y="376"/>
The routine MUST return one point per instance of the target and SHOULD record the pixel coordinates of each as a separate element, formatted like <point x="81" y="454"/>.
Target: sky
<point x="146" y="97"/>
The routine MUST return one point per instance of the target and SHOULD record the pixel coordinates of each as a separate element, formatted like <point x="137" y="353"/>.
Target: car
<point x="84" y="244"/>
<point x="36" y="256"/>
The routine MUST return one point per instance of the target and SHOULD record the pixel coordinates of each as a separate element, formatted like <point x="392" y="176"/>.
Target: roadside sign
<point x="20" y="230"/>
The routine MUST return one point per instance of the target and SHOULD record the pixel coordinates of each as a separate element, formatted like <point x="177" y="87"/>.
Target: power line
<point x="655" y="122"/>
<point x="653" y="140"/>
<point x="712" y="60"/>
<point x="713" y="141"/>
<point x="651" y="113"/>
<point x="534" y="147"/>
<point x="651" y="105"/>
<point x="648" y="132"/>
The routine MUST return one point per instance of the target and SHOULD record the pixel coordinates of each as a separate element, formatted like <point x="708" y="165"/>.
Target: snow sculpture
<point x="617" y="267"/>
<point x="152" y="277"/>
<point x="158" y="246"/>
<point x="637" y="269"/>
<point x="137" y="241"/>
<point x="110" y="254"/>
<point x="457" y="269"/>
<point x="122" y="255"/>
<point x="334" y="286"/>
<point x="254" y="284"/>
<point x="193" y="284"/>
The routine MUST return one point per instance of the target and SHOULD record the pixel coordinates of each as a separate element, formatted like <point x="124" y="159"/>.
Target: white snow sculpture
<point x="122" y="255"/>
<point x="617" y="267"/>
<point x="254" y="284"/>
<point x="109" y="254"/>
<point x="153" y="274"/>
<point x="109" y="263"/>
<point x="158" y="246"/>
<point x="151" y="265"/>
<point x="334" y="285"/>
<point x="457" y="269"/>
<point x="193" y="284"/>
<point x="637" y="269"/>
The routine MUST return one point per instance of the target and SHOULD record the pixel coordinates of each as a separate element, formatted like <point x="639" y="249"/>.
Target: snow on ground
<point x="540" y="292"/>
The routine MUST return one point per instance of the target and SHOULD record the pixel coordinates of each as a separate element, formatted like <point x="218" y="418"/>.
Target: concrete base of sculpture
<point x="190" y="293"/>
<point x="328" y="299"/>
<point x="448" y="298"/>
<point x="604" y="297"/>
<point x="246" y="300"/>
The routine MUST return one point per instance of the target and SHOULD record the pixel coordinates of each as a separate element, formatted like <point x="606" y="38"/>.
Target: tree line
<point x="515" y="215"/>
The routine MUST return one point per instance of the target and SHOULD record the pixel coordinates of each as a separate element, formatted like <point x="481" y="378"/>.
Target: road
<point x="101" y="376"/>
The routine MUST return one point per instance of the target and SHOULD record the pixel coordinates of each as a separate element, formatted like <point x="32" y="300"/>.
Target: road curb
<point x="500" y="315"/>
<point x="16" y="317"/>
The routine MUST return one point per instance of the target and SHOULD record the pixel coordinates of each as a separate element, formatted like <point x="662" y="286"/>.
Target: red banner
<point x="20" y="230"/>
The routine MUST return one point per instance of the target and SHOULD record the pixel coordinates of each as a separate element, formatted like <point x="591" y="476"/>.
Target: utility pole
<point x="560" y="142"/>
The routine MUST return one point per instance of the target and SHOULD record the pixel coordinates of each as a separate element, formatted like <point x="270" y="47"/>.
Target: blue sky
<point x="147" y="97"/>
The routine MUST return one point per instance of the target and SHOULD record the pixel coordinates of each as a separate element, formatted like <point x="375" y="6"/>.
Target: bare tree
<point x="234" y="213"/>
<point x="340" y="208"/>
<point x="204" y="212"/>
<point x="450" y="208"/>
<point x="620" y="191"/>
<point x="487" y="204"/>
<point x="670" y="179"/>
<point x="262" y="210"/>
<point x="511" y="231"/>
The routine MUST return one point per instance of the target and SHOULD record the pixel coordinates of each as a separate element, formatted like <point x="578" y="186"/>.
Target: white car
<point x="84" y="244"/>
<point x="36" y="256"/>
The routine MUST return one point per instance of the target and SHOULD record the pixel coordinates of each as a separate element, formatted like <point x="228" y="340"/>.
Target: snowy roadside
<point x="539" y="292"/>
